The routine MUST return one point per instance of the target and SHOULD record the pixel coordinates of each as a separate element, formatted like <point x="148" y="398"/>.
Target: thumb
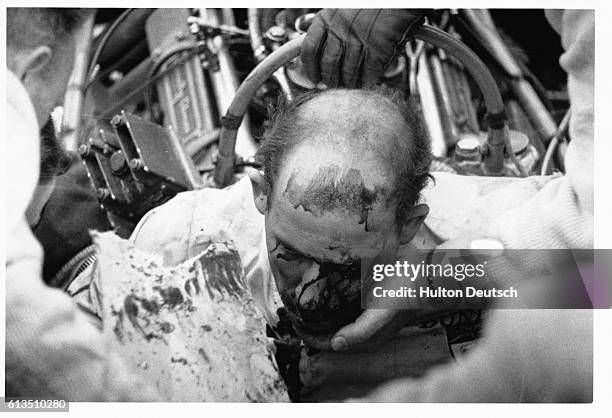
<point x="365" y="327"/>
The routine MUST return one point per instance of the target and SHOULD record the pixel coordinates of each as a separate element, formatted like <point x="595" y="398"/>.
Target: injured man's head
<point x="343" y="170"/>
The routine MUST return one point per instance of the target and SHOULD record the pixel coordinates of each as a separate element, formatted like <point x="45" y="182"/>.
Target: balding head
<point x="342" y="149"/>
<point x="343" y="171"/>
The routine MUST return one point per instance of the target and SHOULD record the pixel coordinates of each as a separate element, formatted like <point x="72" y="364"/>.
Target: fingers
<point x="313" y="48"/>
<point x="352" y="47"/>
<point x="367" y="71"/>
<point x="324" y="50"/>
<point x="369" y="323"/>
<point x="320" y="342"/>
<point x="331" y="60"/>
<point x="352" y="65"/>
<point x="352" y="61"/>
<point x="367" y="334"/>
<point x="372" y="71"/>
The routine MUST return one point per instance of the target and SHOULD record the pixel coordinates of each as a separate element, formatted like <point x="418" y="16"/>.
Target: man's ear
<point x="413" y="220"/>
<point x="31" y="61"/>
<point x="258" y="183"/>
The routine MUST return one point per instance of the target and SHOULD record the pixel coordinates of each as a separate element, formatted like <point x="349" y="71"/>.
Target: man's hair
<point x="54" y="160"/>
<point x="28" y="27"/>
<point x="410" y="162"/>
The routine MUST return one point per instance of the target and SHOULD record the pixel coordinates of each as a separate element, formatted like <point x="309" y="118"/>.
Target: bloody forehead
<point x="331" y="189"/>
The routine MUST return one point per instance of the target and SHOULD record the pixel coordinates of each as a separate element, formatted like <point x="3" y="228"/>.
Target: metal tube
<point x="482" y="23"/>
<point x="450" y="129"/>
<point x="432" y="117"/>
<point x="281" y="78"/>
<point x="255" y="33"/>
<point x="225" y="83"/>
<point x="474" y="65"/>
<point x="75" y="92"/>
<point x="224" y="168"/>
<point x="554" y="143"/>
<point x="497" y="138"/>
<point x="538" y="114"/>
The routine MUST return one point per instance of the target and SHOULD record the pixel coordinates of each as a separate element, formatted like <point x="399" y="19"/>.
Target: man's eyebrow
<point x="292" y="250"/>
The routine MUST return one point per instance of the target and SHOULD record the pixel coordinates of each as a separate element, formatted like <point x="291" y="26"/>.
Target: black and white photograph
<point x="302" y="205"/>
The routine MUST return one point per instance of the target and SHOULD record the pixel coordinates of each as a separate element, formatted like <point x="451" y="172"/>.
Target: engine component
<point x="555" y="144"/>
<point x="189" y="78"/>
<point x="137" y="167"/>
<point x="186" y="81"/>
<point x="526" y="153"/>
<point x="226" y="160"/>
<point x="483" y="24"/>
<point x="224" y="79"/>
<point x="467" y="150"/>
<point x="470" y="149"/>
<point x="73" y="102"/>
<point x="183" y="92"/>
<point x="432" y="113"/>
<point x="289" y="23"/>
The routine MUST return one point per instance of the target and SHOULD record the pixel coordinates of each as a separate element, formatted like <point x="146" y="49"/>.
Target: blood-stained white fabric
<point x="187" y="224"/>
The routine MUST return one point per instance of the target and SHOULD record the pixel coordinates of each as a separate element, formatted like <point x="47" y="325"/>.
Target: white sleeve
<point x="535" y="355"/>
<point x="52" y="350"/>
<point x="560" y="215"/>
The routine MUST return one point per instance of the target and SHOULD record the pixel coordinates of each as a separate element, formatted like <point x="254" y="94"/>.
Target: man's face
<point x="323" y="220"/>
<point x="47" y="87"/>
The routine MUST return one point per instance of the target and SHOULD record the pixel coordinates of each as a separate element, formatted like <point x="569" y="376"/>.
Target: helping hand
<point x="352" y="47"/>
